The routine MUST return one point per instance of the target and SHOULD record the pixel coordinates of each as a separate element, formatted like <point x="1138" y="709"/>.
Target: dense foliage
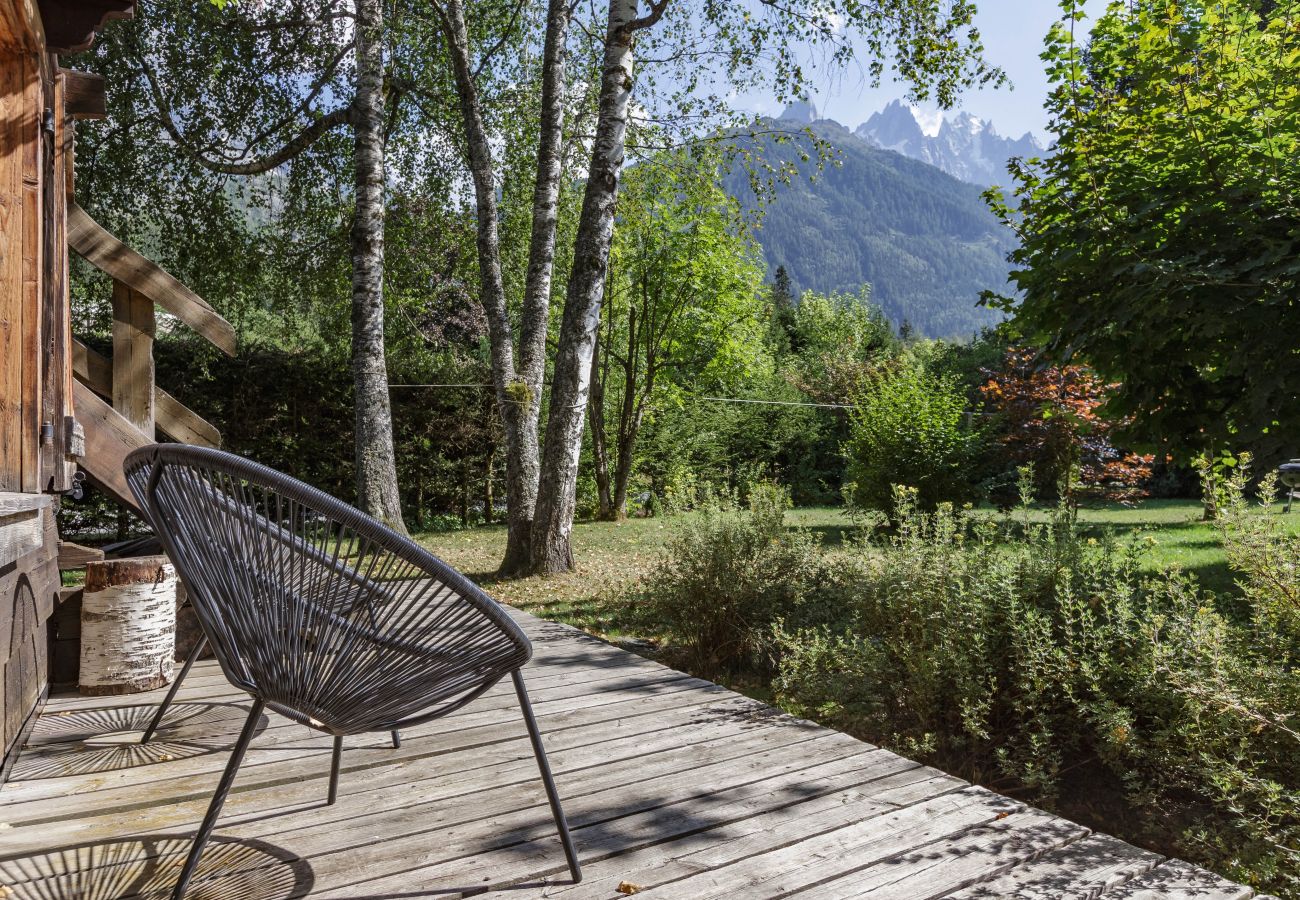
<point x="911" y="427"/>
<point x="1047" y="417"/>
<point x="1028" y="655"/>
<point x="1160" y="239"/>
<point x="683" y="308"/>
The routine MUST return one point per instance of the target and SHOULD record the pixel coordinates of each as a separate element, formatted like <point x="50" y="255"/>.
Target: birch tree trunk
<point x="513" y="398"/>
<point x="376" y="462"/>
<point x="552" y="550"/>
<point x="128" y="625"/>
<point x="518" y="391"/>
<point x="537" y="287"/>
<point x="599" y="441"/>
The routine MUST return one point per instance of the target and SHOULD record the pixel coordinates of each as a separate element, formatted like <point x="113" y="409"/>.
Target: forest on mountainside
<point x="925" y="241"/>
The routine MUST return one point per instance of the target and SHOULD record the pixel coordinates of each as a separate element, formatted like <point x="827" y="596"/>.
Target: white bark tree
<point x="376" y="468"/>
<point x="376" y="460"/>
<point x="929" y="43"/>
<point x="518" y="385"/>
<point x="552" y="549"/>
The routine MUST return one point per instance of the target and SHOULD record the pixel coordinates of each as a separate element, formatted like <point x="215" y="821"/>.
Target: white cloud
<point x="930" y="120"/>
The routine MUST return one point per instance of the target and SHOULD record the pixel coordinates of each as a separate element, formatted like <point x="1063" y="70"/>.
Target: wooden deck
<point x="671" y="784"/>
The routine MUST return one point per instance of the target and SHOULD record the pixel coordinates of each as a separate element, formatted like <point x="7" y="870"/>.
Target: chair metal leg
<point x="195" y="653"/>
<point x="397" y="739"/>
<point x="218" y="799"/>
<point x="545" y="768"/>
<point x="334" y="769"/>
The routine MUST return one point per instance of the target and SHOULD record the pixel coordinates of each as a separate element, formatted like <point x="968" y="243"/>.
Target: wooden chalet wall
<point x="40" y="439"/>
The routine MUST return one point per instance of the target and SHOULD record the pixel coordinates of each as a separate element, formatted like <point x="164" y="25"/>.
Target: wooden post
<point x="13" y="339"/>
<point x="133" y="374"/>
<point x="128" y="625"/>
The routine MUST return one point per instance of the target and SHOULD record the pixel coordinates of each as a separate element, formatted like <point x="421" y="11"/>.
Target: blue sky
<point x="1013" y="33"/>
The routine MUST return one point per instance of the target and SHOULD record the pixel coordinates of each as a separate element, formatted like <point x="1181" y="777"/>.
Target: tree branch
<point x="650" y="19"/>
<point x="303" y="140"/>
<point x="501" y="41"/>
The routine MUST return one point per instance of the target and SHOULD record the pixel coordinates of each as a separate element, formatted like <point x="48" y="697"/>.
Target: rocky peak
<point x="800" y="112"/>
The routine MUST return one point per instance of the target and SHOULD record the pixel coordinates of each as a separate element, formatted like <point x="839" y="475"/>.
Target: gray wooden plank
<point x="453" y="831"/>
<point x="960" y="860"/>
<point x="123" y="787"/>
<point x="773" y="823"/>
<point x="282" y="740"/>
<point x="699" y="820"/>
<point x="1178" y="880"/>
<point x="671" y="783"/>
<point x="815" y="860"/>
<point x="1084" y="869"/>
<point x="390" y="788"/>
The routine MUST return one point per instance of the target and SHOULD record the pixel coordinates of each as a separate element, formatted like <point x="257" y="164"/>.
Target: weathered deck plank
<point x="670" y="783"/>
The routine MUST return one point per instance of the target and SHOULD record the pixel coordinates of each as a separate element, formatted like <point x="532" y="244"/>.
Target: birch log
<point x="128" y="625"/>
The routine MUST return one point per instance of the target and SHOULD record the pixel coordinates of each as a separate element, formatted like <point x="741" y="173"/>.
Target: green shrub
<point x="726" y="576"/>
<point x="1029" y="656"/>
<point x="1227" y="753"/>
<point x="910" y="428"/>
<point x="996" y="649"/>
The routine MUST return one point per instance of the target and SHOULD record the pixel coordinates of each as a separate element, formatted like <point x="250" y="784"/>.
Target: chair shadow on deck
<point x="146" y="867"/>
<point x="106" y="739"/>
<point x="521" y="857"/>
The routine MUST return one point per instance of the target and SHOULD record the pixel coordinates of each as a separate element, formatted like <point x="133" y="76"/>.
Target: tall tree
<point x="377" y="491"/>
<point x="288" y="126"/>
<point x="519" y="385"/>
<point x="929" y="44"/>
<point x="1159" y="240"/>
<point x="684" y="282"/>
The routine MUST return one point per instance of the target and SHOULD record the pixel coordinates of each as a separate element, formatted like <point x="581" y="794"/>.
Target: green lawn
<point x="1182" y="538"/>
<point x="611" y="556"/>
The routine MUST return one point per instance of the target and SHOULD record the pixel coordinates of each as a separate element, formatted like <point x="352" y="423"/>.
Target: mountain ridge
<point x="963" y="145"/>
<point x="923" y="239"/>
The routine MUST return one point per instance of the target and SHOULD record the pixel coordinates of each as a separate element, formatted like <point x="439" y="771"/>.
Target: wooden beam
<point x="75" y="556"/>
<point x="59" y="456"/>
<point x="133" y="373"/>
<point x="21" y="527"/>
<point x="12" y="337"/>
<point x="84" y="95"/>
<point x="35" y="337"/>
<point x="70" y="25"/>
<point x="173" y="418"/>
<point x="109" y="438"/>
<point x="110" y="255"/>
<point x="20" y="26"/>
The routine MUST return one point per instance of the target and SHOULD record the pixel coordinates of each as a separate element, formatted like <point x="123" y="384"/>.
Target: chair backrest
<point x="320" y="610"/>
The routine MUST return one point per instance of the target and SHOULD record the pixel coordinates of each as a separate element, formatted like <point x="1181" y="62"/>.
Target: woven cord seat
<point x="322" y="613"/>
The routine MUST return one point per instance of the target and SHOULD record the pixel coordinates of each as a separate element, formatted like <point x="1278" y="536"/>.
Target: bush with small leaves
<point x="725" y="578"/>
<point x="912" y="428"/>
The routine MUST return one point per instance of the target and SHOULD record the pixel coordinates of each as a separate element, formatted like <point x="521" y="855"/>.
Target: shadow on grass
<point x="830" y="535"/>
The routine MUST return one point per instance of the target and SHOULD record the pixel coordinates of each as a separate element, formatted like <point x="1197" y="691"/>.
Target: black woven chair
<point x="139" y="478"/>
<point x="322" y="613"/>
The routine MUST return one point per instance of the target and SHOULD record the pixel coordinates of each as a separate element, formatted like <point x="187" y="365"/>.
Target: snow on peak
<point x="930" y="120"/>
<point x="960" y="143"/>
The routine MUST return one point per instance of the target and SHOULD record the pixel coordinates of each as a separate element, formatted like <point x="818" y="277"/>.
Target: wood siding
<point x="39" y="436"/>
<point x="29" y="585"/>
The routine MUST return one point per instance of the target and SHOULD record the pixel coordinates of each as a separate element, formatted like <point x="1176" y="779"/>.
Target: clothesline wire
<point x="695" y="396"/>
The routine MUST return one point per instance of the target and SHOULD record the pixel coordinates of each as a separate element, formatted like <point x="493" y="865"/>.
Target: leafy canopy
<point x="1161" y="239"/>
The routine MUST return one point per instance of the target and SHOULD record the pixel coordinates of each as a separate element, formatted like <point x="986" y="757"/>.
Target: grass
<point x="612" y="556"/>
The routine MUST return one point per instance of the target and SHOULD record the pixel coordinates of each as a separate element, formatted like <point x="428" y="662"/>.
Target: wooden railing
<point x="118" y="403"/>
